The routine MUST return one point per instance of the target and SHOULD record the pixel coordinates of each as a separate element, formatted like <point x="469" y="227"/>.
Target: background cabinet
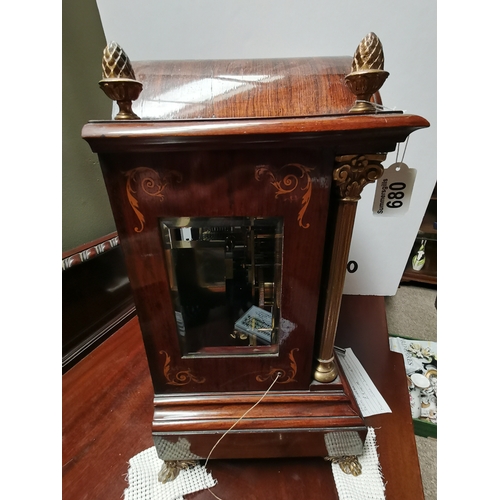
<point x="427" y="232"/>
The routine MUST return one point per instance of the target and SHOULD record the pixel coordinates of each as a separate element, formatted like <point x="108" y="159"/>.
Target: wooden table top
<point x="108" y="410"/>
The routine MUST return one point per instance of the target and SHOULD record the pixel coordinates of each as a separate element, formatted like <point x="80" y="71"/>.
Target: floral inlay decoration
<point x="150" y="182"/>
<point x="289" y="183"/>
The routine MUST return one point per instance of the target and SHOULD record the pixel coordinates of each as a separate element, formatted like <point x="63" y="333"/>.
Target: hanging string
<point x="404" y="151"/>
<point x="235" y="424"/>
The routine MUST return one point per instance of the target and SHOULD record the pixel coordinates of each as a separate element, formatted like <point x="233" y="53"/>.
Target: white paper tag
<point x="369" y="399"/>
<point x="393" y="192"/>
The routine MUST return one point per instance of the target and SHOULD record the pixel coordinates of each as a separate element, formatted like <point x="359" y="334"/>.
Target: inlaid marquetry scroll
<point x="288" y="183"/>
<point x="285" y="376"/>
<point x="180" y="377"/>
<point x="150" y="183"/>
<point x="353" y="172"/>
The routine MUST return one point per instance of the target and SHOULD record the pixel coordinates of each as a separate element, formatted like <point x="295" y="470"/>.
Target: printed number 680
<point x="395" y="195"/>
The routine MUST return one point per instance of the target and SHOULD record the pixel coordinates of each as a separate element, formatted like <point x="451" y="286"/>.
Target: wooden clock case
<point x="228" y="143"/>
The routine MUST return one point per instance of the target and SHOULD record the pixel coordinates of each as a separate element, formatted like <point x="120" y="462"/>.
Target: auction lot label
<point x="393" y="192"/>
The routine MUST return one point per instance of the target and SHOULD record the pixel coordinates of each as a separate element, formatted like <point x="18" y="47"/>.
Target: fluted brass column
<point x="351" y="174"/>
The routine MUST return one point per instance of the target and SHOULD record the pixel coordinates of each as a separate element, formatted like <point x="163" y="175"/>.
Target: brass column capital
<point x="353" y="172"/>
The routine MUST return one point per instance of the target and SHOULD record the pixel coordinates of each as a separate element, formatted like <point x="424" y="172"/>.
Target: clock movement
<point x="234" y="185"/>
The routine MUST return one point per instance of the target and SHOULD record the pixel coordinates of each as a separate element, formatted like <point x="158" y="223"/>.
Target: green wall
<point x="86" y="213"/>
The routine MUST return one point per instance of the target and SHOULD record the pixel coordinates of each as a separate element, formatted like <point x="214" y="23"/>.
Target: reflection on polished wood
<point x="226" y="103"/>
<point x="255" y="88"/>
<point x="107" y="415"/>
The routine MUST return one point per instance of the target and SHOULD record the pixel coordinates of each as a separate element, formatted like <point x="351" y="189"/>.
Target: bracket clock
<point x="234" y="185"/>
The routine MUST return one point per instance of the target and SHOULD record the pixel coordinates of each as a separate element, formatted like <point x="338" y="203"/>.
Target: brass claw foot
<point x="171" y="468"/>
<point x="348" y="464"/>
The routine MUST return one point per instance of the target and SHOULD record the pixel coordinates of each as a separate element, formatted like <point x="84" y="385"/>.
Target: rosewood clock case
<point x="234" y="198"/>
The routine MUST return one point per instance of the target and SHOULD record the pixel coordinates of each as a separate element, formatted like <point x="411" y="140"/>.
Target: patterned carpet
<point x="412" y="313"/>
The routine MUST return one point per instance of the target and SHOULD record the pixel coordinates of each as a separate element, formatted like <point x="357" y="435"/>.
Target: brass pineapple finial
<point x="118" y="81"/>
<point x="367" y="73"/>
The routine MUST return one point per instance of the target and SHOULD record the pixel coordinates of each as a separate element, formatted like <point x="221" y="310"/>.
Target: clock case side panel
<point x="270" y="182"/>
